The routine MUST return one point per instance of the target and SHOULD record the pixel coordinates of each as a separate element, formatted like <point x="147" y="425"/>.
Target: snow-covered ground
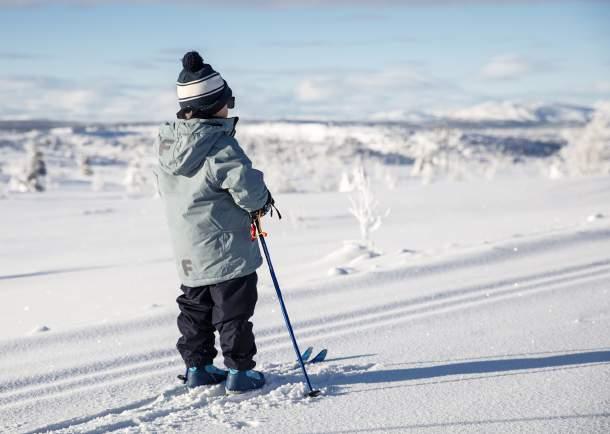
<point x="483" y="304"/>
<point x="486" y="308"/>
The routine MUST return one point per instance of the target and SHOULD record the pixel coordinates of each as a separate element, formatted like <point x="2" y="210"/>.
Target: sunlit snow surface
<point x="483" y="304"/>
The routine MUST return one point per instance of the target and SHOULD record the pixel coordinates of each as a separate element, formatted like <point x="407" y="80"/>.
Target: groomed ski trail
<point x="151" y="371"/>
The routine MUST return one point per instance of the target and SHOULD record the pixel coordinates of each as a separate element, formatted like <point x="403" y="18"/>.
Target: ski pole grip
<point x="259" y="230"/>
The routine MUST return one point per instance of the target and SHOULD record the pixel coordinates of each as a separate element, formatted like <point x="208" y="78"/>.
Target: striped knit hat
<point x="201" y="88"/>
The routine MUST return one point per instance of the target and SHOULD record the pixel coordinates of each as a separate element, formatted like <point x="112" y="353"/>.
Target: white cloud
<point x="361" y="94"/>
<point x="50" y="98"/>
<point x="311" y="90"/>
<point x="506" y="67"/>
<point x="334" y="94"/>
<point x="371" y="86"/>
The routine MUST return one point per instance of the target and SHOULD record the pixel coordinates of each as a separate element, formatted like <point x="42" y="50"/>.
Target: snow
<point x="510" y="111"/>
<point x="589" y="148"/>
<point x="483" y="307"/>
<point x="504" y="111"/>
<point x="495" y="112"/>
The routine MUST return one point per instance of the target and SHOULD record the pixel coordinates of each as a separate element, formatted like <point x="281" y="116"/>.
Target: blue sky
<point x="106" y="61"/>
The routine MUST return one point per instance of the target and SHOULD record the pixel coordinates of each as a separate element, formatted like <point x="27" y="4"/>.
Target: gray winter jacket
<point x="209" y="187"/>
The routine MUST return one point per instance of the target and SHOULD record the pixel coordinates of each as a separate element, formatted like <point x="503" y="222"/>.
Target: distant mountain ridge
<point x="485" y="115"/>
<point x="535" y="114"/>
<point x="496" y="114"/>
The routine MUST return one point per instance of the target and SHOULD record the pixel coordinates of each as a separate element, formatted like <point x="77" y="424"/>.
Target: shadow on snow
<point x="473" y="367"/>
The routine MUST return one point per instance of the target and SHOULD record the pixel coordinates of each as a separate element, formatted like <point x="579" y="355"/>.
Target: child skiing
<point x="211" y="191"/>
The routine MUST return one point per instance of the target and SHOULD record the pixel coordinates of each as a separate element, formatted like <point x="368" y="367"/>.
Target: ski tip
<point x="320" y="356"/>
<point x="306" y="354"/>
<point x="314" y="393"/>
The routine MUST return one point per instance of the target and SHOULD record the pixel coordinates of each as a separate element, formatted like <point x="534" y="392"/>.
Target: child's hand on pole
<point x="267" y="208"/>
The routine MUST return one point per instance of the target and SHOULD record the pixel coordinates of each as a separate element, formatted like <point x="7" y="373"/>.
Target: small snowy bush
<point x="364" y="206"/>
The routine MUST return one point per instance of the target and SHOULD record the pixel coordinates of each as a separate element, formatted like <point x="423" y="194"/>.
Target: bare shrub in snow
<point x="364" y="206"/>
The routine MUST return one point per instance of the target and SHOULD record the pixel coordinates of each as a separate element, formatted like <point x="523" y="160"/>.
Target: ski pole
<point x="312" y="393"/>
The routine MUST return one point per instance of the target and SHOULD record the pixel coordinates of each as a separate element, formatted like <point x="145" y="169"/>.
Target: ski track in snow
<point x="78" y="269"/>
<point x="174" y="405"/>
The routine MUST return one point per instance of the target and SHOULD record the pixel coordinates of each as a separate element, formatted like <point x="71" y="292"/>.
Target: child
<point x="211" y="191"/>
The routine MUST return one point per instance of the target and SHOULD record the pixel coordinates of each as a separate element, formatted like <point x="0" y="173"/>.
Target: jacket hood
<point x="183" y="144"/>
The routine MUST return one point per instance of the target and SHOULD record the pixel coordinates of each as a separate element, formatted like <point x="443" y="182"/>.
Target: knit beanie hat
<point x="201" y="88"/>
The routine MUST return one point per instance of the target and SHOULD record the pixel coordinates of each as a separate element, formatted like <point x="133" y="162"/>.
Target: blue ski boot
<point x="244" y="381"/>
<point x="204" y="376"/>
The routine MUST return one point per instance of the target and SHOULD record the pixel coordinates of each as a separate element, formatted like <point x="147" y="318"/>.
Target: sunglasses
<point x="231" y="103"/>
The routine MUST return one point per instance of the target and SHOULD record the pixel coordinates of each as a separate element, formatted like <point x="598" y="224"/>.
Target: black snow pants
<point x="226" y="307"/>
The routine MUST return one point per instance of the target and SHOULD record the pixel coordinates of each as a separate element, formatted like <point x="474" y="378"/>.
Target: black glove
<point x="267" y="208"/>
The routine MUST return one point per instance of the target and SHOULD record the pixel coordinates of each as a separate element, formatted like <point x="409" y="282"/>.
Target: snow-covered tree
<point x="138" y="176"/>
<point x="588" y="151"/>
<point x="32" y="176"/>
<point x="439" y="152"/>
<point x="85" y="166"/>
<point x="36" y="171"/>
<point x="135" y="178"/>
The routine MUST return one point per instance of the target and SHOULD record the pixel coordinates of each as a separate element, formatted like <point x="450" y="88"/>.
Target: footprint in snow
<point x="594" y="217"/>
<point x="340" y="271"/>
<point x="40" y="329"/>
